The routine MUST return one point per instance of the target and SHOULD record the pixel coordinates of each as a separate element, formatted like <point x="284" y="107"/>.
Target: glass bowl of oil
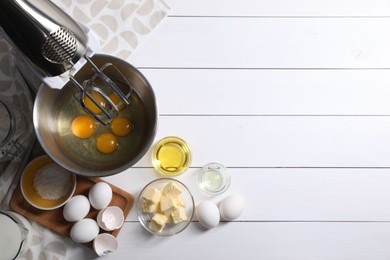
<point x="171" y="156"/>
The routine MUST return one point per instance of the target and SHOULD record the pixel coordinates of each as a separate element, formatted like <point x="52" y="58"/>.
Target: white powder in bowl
<point x="52" y="182"/>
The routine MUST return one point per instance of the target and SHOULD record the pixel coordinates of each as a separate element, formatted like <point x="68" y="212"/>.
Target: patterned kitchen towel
<point x="120" y="25"/>
<point x="13" y="88"/>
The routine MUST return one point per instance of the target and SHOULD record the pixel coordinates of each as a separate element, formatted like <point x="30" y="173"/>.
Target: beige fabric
<point x="119" y="25"/>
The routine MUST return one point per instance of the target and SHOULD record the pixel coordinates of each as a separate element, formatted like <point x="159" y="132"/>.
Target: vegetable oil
<point x="171" y="156"/>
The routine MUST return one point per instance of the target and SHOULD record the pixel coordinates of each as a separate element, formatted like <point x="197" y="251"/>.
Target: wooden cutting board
<point x="54" y="220"/>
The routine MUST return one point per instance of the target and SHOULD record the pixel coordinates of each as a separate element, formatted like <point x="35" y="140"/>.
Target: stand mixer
<point x="57" y="47"/>
<point x="58" y="51"/>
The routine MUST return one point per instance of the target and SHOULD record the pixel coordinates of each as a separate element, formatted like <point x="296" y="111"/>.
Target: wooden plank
<point x="281" y="141"/>
<point x="270" y="92"/>
<point x="266" y="241"/>
<point x="288" y="194"/>
<point x="279" y="8"/>
<point x="281" y="163"/>
<point x="267" y="43"/>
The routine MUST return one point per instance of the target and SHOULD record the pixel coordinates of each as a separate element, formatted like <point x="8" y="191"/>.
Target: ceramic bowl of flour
<point x="45" y="185"/>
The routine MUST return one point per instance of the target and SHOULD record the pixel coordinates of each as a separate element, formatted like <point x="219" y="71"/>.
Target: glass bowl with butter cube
<point x="165" y="207"/>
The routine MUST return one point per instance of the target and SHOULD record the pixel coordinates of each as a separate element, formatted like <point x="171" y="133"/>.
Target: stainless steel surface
<point x="60" y="46"/>
<point x="53" y="42"/>
<point x="34" y="25"/>
<point x="50" y="103"/>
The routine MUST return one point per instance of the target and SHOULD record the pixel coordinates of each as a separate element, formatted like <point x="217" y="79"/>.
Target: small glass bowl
<point x="170" y="228"/>
<point x="213" y="178"/>
<point x="171" y="156"/>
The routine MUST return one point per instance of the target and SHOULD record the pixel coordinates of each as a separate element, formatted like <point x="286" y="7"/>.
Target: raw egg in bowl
<point x="83" y="126"/>
<point x="100" y="150"/>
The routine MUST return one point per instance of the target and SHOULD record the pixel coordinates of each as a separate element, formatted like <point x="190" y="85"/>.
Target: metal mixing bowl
<point x="50" y="104"/>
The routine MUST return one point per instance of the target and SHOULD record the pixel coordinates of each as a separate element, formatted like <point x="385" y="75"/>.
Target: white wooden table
<point x="294" y="98"/>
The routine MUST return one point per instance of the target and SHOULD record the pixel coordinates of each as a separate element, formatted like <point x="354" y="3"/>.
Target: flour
<point x="52" y="182"/>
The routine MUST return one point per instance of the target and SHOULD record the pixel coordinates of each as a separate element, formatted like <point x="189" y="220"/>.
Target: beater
<point x="56" y="47"/>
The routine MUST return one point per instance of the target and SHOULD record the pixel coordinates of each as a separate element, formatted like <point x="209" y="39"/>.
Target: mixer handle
<point x="36" y="27"/>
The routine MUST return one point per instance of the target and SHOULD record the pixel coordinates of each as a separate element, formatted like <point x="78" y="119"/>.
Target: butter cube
<point x="169" y="219"/>
<point x="172" y="189"/>
<point x="158" y="222"/>
<point x="149" y="206"/>
<point x="180" y="202"/>
<point x="167" y="204"/>
<point x="179" y="215"/>
<point x="152" y="195"/>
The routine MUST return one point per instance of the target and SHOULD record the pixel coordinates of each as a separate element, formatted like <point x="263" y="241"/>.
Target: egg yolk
<point x="83" y="126"/>
<point x="91" y="106"/>
<point x="115" y="99"/>
<point x="106" y="143"/>
<point x="121" y="126"/>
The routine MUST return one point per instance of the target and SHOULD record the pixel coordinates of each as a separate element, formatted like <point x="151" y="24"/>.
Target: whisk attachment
<point x="97" y="93"/>
<point x="60" y="47"/>
<point x="108" y="81"/>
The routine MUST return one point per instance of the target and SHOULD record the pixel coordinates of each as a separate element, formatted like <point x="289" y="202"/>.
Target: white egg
<point x="232" y="207"/>
<point x="207" y="214"/>
<point x="100" y="195"/>
<point x="76" y="208"/>
<point x="84" y="230"/>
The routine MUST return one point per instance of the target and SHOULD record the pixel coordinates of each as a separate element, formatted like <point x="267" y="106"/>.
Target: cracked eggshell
<point x="104" y="244"/>
<point x="100" y="195"/>
<point x="110" y="218"/>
